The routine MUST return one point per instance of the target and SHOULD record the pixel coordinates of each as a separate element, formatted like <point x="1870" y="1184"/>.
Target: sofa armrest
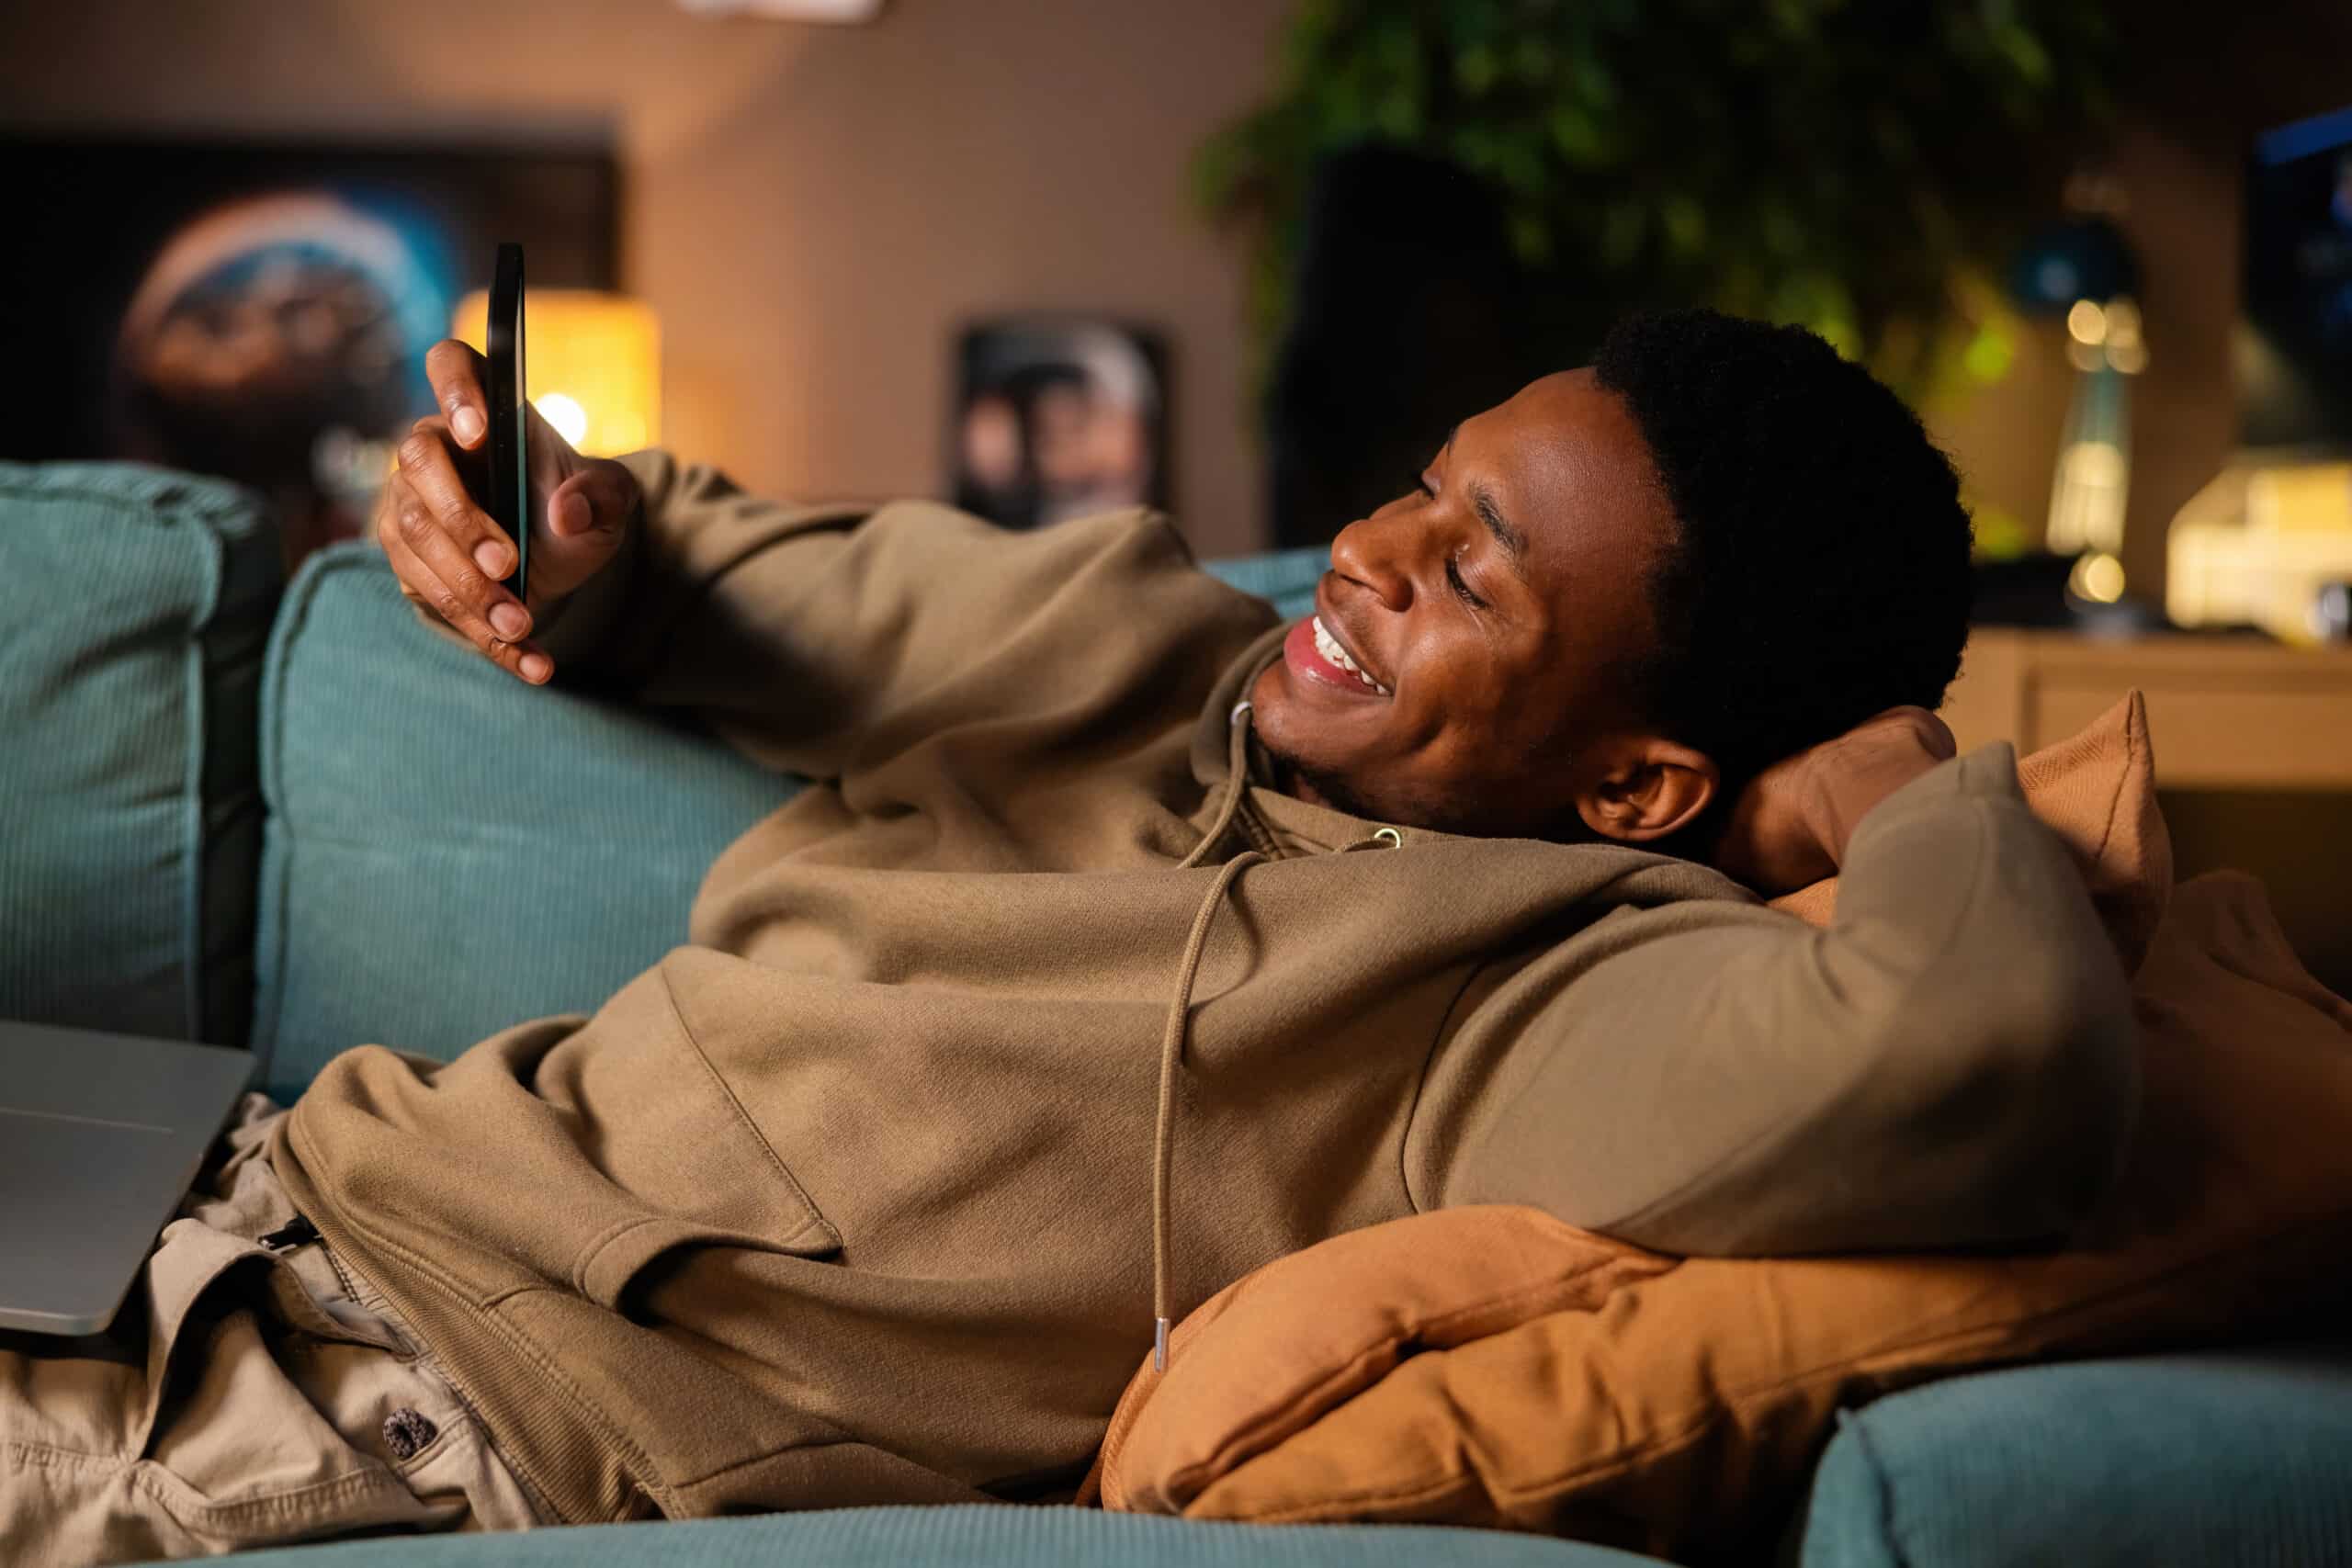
<point x="2216" y="1458"/>
<point x="134" y="602"/>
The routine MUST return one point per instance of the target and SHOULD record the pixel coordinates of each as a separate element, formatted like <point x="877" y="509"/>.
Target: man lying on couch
<point x="1129" y="939"/>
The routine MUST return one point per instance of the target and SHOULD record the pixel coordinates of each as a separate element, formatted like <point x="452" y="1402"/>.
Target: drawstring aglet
<point x="1159" y="1344"/>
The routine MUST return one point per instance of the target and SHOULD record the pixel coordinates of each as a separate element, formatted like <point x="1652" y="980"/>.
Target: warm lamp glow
<point x="571" y="421"/>
<point x="591" y="364"/>
<point x="2098" y="578"/>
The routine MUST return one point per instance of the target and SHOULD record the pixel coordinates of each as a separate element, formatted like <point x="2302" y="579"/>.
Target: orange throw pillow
<point x="2097" y="792"/>
<point x="1494" y="1367"/>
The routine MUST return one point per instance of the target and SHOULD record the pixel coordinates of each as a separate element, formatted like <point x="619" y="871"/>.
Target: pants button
<point x="408" y="1432"/>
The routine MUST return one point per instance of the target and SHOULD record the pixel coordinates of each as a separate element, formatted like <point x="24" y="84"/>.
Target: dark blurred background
<point x="815" y="213"/>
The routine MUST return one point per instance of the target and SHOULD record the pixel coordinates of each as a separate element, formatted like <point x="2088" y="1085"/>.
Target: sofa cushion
<point x="2226" y="1460"/>
<point x="449" y="852"/>
<point x="1285" y="578"/>
<point x="1444" y="1367"/>
<point x="974" y="1535"/>
<point x="137" y="602"/>
<point x="2096" y="790"/>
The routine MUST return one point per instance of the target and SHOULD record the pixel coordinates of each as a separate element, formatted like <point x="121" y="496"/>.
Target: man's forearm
<point x="1952" y="1061"/>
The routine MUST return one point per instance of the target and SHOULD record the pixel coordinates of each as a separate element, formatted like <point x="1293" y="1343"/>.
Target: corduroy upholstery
<point x="963" y="1536"/>
<point x="449" y="851"/>
<point x="2099" y="1464"/>
<point x="134" y="603"/>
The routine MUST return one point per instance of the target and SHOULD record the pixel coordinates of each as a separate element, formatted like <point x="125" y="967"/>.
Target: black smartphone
<point x="510" y="489"/>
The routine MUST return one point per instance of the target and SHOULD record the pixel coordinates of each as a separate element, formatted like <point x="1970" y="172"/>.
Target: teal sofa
<point x="283" y="816"/>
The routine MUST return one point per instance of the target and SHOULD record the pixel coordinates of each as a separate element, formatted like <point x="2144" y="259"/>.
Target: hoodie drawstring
<point x="1163" y="1145"/>
<point x="1171" y="1040"/>
<point x="1236" y="784"/>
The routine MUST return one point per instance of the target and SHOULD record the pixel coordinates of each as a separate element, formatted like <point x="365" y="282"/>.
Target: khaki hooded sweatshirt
<point x="1041" y="1016"/>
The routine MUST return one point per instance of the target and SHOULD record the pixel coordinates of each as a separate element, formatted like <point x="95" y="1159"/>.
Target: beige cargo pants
<point x="248" y="1394"/>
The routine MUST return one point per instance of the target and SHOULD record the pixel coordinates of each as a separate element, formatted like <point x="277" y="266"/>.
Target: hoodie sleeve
<point x="1952" y="1062"/>
<point x="816" y="639"/>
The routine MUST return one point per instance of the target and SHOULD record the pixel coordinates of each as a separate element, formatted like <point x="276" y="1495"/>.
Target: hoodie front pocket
<point x="607" y="1269"/>
<point x="665" y="1156"/>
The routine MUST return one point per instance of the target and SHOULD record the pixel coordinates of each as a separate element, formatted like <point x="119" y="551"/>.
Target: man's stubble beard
<point x="1335" y="791"/>
<point x="1420" y="810"/>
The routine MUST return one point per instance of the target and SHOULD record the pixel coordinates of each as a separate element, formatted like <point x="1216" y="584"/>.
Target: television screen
<point x="261" y="311"/>
<point x="2294" y="342"/>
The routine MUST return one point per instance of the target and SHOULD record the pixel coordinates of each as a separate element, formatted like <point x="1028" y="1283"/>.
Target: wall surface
<point x="812" y="211"/>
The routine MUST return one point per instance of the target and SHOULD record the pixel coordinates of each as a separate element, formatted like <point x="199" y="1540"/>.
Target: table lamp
<point x="2081" y="269"/>
<point x="592" y="367"/>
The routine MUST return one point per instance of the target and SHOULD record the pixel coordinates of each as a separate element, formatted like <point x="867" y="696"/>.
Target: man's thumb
<point x="587" y="510"/>
<point x="579" y="531"/>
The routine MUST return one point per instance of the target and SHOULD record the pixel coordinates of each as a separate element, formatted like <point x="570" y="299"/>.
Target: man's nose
<point x="1373" y="551"/>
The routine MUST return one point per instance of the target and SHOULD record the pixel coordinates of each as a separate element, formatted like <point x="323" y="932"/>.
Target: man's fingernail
<point x="573" y="512"/>
<point x="509" y="621"/>
<point x="491" y="558"/>
<point x="536" y="666"/>
<point x="467" y="423"/>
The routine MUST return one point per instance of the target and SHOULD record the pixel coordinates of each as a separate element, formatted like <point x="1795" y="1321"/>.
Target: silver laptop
<point x="100" y="1135"/>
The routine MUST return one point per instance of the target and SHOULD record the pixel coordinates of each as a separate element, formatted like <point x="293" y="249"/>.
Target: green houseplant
<point x="1860" y="166"/>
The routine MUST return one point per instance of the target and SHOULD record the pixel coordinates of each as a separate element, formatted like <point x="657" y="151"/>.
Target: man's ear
<point x="1644" y="787"/>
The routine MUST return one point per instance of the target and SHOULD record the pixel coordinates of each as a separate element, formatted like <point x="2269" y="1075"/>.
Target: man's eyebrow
<point x="1482" y="501"/>
<point x="1513" y="542"/>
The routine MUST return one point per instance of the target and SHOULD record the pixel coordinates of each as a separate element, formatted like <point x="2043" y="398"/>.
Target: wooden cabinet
<point x="2223" y="713"/>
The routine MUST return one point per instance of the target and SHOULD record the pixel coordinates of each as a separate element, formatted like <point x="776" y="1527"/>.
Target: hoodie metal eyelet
<point x="1238" y="709"/>
<point x="1396" y="839"/>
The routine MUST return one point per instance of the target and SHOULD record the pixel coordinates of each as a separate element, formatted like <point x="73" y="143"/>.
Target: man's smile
<point x="1336" y="642"/>
<point x="1316" y="656"/>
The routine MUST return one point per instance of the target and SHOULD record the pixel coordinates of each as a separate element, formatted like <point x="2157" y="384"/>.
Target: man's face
<point x="1495" y="605"/>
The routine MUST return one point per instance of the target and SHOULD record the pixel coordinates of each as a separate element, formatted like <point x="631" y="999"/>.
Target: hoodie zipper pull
<point x="295" y="1231"/>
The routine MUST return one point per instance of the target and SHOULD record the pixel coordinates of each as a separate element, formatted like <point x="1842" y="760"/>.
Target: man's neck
<point x="1288" y="781"/>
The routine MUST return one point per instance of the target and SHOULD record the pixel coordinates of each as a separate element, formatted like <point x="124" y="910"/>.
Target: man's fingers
<point x="523" y="660"/>
<point x="431" y="472"/>
<point x="458" y="375"/>
<point x="450" y="571"/>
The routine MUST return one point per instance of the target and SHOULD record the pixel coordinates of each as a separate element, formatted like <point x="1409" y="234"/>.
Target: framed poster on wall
<point x="260" y="310"/>
<point x="1059" y="417"/>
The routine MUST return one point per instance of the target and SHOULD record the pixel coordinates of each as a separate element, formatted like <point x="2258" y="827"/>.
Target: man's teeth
<point x="1328" y="646"/>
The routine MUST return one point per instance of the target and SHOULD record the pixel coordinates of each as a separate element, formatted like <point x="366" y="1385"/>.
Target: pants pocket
<point x="242" y="1453"/>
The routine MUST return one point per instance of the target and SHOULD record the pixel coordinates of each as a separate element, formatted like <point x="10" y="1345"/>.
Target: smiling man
<point x="1607" y="605"/>
<point x="1126" y="940"/>
<point x="1461" y="669"/>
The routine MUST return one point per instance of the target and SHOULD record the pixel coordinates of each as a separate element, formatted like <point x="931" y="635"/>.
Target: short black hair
<point x="1821" y="571"/>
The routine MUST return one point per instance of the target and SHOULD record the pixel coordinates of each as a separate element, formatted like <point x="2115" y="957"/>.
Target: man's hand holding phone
<point x="448" y="552"/>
